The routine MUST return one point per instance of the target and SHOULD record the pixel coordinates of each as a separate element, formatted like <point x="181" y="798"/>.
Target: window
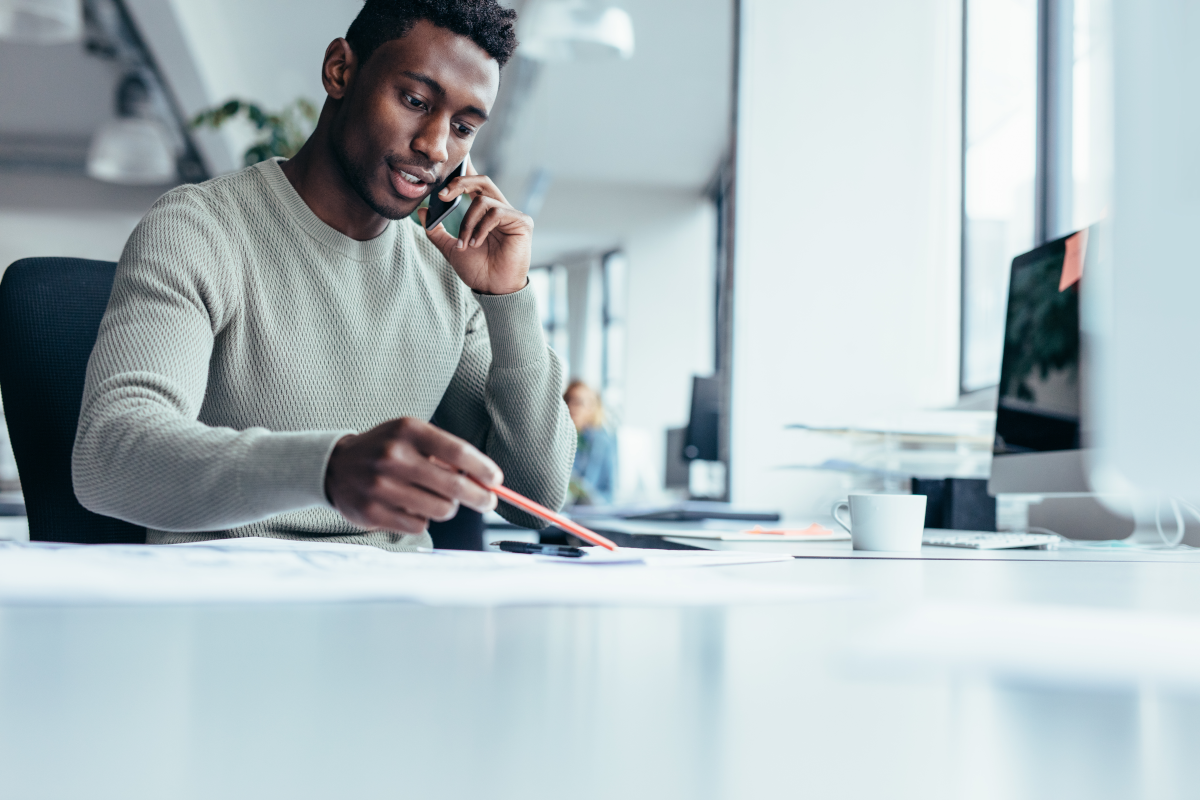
<point x="612" y="380"/>
<point x="549" y="285"/>
<point x="999" y="171"/>
<point x="1034" y="148"/>
<point x="587" y="320"/>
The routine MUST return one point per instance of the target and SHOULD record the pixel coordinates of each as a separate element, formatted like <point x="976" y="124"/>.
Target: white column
<point x="846" y="288"/>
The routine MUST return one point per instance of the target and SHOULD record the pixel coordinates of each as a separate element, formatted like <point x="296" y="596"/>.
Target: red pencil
<point x="538" y="510"/>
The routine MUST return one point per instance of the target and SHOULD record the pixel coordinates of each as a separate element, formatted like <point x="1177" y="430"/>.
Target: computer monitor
<point x="1040" y="436"/>
<point x="704" y="421"/>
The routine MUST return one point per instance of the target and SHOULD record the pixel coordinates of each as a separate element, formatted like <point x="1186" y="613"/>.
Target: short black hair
<point x="486" y="22"/>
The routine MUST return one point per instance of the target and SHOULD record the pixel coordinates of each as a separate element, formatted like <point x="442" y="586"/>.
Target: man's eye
<point x="414" y="102"/>
<point x="464" y="130"/>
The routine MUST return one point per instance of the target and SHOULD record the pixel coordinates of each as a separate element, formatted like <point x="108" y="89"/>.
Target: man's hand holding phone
<point x="495" y="241"/>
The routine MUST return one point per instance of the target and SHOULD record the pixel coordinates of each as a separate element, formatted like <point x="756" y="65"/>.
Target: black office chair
<point x="50" y="311"/>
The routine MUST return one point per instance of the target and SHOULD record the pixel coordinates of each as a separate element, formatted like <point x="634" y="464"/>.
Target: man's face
<point x="411" y="114"/>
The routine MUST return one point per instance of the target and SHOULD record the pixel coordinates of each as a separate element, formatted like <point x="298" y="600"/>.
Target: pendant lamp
<point x="135" y="148"/>
<point x="41" y="21"/>
<point x="564" y="30"/>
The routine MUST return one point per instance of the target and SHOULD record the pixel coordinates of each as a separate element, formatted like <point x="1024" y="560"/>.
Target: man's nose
<point x="432" y="140"/>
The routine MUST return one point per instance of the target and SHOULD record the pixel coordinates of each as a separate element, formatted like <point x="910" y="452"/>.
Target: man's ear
<point x="339" y="69"/>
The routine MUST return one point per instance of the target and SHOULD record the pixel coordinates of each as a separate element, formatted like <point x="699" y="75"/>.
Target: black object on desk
<point x="960" y="504"/>
<point x="532" y="549"/>
<point x="463" y="531"/>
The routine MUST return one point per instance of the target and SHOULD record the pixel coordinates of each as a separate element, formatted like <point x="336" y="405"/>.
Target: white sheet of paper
<point x="598" y="556"/>
<point x="274" y="570"/>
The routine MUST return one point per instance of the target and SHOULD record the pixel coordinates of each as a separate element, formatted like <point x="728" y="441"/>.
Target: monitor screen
<point x="1039" y="405"/>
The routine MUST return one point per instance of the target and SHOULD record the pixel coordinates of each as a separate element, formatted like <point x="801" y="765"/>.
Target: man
<point x="278" y="339"/>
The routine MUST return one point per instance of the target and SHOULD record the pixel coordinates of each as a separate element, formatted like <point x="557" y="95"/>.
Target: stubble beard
<point x="359" y="178"/>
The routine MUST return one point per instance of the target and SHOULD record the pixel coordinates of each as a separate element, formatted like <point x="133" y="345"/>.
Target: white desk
<point x="395" y="700"/>
<point x="633" y="533"/>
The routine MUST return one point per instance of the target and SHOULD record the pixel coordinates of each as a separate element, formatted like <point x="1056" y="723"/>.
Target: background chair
<point x="50" y="311"/>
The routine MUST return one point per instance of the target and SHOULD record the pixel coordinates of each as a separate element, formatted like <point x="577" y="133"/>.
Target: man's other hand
<point x="495" y="241"/>
<point x="400" y="475"/>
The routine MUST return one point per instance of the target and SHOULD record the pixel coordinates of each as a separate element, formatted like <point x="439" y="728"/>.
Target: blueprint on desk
<point x="273" y="570"/>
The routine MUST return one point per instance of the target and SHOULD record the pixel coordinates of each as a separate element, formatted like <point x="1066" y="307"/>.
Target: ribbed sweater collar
<point x="370" y="250"/>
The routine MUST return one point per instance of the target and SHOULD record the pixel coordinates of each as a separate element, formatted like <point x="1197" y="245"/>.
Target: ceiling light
<point x="135" y="148"/>
<point x="41" y="21"/>
<point x="562" y="30"/>
<point x="132" y="151"/>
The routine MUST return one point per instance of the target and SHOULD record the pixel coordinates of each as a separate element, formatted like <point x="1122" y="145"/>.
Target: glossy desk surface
<point x="395" y="700"/>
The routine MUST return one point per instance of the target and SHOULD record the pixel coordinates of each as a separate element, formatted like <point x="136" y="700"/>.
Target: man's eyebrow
<point x="428" y="81"/>
<point x="441" y="92"/>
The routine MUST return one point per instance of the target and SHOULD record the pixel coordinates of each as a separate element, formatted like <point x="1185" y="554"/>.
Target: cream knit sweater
<point x="244" y="337"/>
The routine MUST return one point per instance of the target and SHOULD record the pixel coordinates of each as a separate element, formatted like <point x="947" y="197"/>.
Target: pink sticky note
<point x="1073" y="262"/>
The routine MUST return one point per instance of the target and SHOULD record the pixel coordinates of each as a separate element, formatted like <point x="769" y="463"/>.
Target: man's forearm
<point x="139" y="461"/>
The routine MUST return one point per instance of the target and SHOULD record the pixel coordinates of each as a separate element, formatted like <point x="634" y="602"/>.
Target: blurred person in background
<point x="595" y="448"/>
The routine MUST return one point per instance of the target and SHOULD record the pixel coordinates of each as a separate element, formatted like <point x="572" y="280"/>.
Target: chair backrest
<point x="50" y="311"/>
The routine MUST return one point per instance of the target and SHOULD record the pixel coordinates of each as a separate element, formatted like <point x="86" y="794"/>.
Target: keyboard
<point x="979" y="540"/>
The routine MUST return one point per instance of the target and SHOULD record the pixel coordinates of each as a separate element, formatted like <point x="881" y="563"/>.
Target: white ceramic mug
<point x="885" y="522"/>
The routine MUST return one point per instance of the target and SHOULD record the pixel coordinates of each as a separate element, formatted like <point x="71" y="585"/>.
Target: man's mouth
<point x="408" y="184"/>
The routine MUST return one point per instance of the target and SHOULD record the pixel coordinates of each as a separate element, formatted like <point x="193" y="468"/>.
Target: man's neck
<point x="317" y="177"/>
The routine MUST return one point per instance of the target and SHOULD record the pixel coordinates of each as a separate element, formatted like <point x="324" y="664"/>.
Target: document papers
<point x="274" y="570"/>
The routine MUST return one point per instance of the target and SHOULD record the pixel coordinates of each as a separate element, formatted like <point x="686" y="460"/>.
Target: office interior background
<point x="815" y="203"/>
<point x="814" y="207"/>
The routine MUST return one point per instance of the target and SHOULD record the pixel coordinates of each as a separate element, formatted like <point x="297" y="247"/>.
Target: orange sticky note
<point x="811" y="530"/>
<point x="1073" y="262"/>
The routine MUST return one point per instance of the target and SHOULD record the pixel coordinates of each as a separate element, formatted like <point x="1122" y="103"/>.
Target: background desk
<point x="638" y="533"/>
<point x="395" y="700"/>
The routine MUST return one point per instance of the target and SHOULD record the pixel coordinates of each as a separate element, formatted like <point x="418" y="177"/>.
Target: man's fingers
<point x="439" y="481"/>
<point x="474" y="185"/>
<point x="492" y="218"/>
<point x="447" y="481"/>
<point x="375" y="515"/>
<point x="460" y="455"/>
<point x="405" y="472"/>
<point x="466" y="230"/>
<point x="468" y="492"/>
<point x="414" y="500"/>
<point x="380" y="515"/>
<point x="440" y="237"/>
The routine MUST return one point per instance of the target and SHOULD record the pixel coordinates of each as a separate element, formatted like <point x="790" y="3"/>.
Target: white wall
<point x="847" y="270"/>
<point x="28" y="234"/>
<point x="259" y="50"/>
<point x="669" y="316"/>
<point x="67" y="215"/>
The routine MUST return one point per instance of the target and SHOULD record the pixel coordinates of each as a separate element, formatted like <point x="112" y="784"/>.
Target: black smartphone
<point x="440" y="209"/>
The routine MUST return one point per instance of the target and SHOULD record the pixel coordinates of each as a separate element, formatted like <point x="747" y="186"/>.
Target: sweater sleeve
<point x="141" y="454"/>
<point x="506" y="399"/>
